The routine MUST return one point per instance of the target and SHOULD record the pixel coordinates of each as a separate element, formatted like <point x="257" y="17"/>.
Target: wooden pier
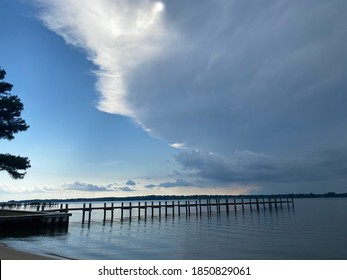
<point x="158" y="209"/>
<point x="21" y="223"/>
<point x="25" y="205"/>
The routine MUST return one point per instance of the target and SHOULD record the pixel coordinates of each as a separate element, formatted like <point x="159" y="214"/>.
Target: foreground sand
<point x="8" y="253"/>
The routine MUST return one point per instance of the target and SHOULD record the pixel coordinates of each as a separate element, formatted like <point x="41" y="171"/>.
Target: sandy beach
<point x="8" y="253"/>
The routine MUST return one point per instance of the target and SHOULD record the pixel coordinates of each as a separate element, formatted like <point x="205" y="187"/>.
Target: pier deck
<point x="160" y="208"/>
<point x="30" y="222"/>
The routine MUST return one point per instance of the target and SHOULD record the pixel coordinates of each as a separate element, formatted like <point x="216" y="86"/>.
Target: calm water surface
<point x="314" y="229"/>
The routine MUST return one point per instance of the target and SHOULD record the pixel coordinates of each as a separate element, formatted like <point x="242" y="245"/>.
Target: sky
<point x="145" y="97"/>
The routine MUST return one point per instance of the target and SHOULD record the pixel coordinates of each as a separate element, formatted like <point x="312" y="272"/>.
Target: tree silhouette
<point x="11" y="123"/>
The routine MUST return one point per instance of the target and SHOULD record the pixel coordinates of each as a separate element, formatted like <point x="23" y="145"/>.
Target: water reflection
<point x="313" y="230"/>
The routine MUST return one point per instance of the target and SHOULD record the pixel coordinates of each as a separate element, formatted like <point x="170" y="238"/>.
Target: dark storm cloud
<point x="177" y="183"/>
<point x="126" y="189"/>
<point x="248" y="167"/>
<point x="265" y="76"/>
<point x="261" y="84"/>
<point x="130" y="183"/>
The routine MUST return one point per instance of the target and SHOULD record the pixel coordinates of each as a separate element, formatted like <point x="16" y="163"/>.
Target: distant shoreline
<point x="178" y="197"/>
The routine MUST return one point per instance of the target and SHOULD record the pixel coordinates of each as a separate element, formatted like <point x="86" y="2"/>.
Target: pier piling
<point x="139" y="211"/>
<point x="112" y="212"/>
<point x="83" y="212"/>
<point x="104" y="212"/>
<point x="198" y="206"/>
<point x="90" y="213"/>
<point x="122" y="212"/>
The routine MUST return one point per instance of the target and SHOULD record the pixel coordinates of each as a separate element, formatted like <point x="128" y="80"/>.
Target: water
<point x="315" y="229"/>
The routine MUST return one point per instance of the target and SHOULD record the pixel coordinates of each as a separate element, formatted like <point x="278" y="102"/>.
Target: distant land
<point x="180" y="197"/>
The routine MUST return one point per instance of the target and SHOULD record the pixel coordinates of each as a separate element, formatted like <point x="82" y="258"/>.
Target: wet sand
<point x="8" y="253"/>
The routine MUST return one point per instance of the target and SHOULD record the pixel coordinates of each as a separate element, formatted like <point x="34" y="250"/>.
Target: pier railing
<point x="188" y="207"/>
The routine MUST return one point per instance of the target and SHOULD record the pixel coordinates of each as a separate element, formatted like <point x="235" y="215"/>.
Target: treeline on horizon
<point x="179" y="197"/>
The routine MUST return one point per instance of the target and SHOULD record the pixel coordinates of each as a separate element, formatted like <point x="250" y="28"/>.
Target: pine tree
<point x="10" y="124"/>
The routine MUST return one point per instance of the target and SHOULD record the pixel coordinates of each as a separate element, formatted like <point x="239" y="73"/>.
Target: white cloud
<point x="117" y="36"/>
<point x="78" y="186"/>
<point x="177" y="145"/>
<point x="221" y="76"/>
<point x="7" y="189"/>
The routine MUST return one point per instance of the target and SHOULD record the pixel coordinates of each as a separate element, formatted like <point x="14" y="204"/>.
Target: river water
<point x="313" y="229"/>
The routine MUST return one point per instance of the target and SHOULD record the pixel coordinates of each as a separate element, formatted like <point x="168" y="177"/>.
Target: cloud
<point x="130" y="183"/>
<point x="242" y="166"/>
<point x="116" y="35"/>
<point x="78" y="186"/>
<point x="262" y="83"/>
<point x="218" y="75"/>
<point x="177" y="183"/>
<point x="266" y="77"/>
<point x="248" y="167"/>
<point x="6" y="189"/>
<point x="150" y="186"/>
<point x="126" y="189"/>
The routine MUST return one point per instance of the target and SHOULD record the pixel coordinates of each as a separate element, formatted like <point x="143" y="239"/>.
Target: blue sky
<point x="147" y="97"/>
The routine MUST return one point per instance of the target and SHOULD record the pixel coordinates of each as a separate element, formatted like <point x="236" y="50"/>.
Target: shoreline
<point x="9" y="253"/>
